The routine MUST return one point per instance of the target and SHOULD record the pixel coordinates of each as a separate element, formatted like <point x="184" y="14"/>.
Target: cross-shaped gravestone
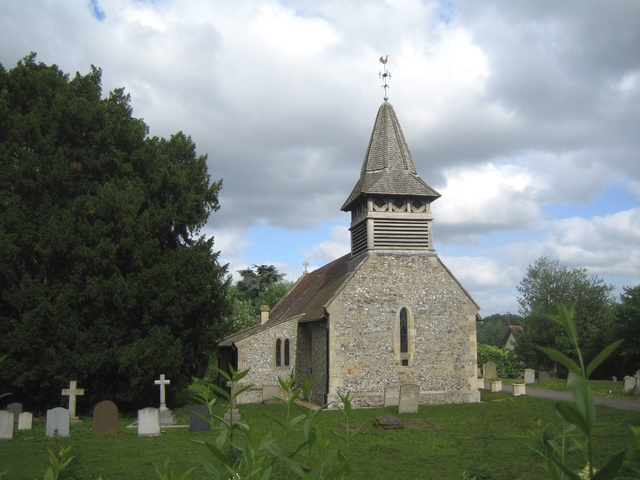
<point x="72" y="392"/>
<point x="162" y="382"/>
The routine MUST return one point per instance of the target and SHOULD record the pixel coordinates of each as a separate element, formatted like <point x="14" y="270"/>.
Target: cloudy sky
<point x="525" y="116"/>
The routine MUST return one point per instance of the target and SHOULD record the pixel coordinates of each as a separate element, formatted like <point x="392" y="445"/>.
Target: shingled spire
<point x="390" y="204"/>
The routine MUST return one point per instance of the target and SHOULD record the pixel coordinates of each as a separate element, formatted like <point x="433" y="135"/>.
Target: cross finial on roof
<point x="384" y="75"/>
<point x="306" y="264"/>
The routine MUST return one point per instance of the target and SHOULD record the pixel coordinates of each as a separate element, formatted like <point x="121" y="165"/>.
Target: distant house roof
<point x="511" y="330"/>
<point x="306" y="301"/>
<point x="388" y="168"/>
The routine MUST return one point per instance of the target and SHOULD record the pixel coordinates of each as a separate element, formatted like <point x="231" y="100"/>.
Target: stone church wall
<point x="364" y="318"/>
<point x="258" y="352"/>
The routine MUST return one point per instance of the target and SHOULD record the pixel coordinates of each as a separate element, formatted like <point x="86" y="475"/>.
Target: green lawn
<point x="604" y="388"/>
<point x="437" y="442"/>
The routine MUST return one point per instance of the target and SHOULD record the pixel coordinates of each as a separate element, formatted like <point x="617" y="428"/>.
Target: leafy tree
<point x="259" y="285"/>
<point x="627" y="325"/>
<point x="494" y="328"/>
<point x="104" y="277"/>
<point x="546" y="284"/>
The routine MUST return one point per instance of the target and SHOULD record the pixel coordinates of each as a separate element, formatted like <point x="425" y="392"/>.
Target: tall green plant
<point x="582" y="413"/>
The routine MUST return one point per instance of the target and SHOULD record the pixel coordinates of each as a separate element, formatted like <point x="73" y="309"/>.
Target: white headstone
<point x="57" y="422"/>
<point x="162" y="382"/>
<point x="409" y="398"/>
<point x="6" y="424"/>
<point x="148" y="421"/>
<point x="16" y="409"/>
<point x="529" y="376"/>
<point x="391" y="395"/>
<point x="25" y="421"/>
<point x="72" y="392"/>
<point x="629" y="383"/>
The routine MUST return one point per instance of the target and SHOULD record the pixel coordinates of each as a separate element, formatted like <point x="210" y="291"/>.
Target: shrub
<point x="506" y="364"/>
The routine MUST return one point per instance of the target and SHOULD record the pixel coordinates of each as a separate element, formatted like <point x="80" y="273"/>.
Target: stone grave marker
<point x="614" y="379"/>
<point x="388" y="422"/>
<point x="391" y="395"/>
<point x="629" y="383"/>
<point x="571" y="379"/>
<point x="72" y="392"/>
<point x="529" y="376"/>
<point x="57" y="422"/>
<point x="543" y="377"/>
<point x="490" y="372"/>
<point x="271" y="393"/>
<point x="196" y="422"/>
<point x="409" y="398"/>
<point x="166" y="415"/>
<point x="105" y="418"/>
<point x="25" y="421"/>
<point x="16" y="409"/>
<point x="148" y="421"/>
<point x="6" y="424"/>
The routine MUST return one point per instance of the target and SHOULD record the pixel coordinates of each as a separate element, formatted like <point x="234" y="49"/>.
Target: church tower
<point x="390" y="204"/>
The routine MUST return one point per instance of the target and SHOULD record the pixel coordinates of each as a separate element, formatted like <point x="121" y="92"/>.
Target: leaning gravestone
<point x="105" y="418"/>
<point x="57" y="422"/>
<point x="571" y="379"/>
<point x="543" y="377"/>
<point x="529" y="376"/>
<point x="391" y="395"/>
<point x="490" y="372"/>
<point x="6" y="424"/>
<point x="148" y="421"/>
<point x="409" y="398"/>
<point x="629" y="383"/>
<point x="16" y="409"/>
<point x="196" y="422"/>
<point x="25" y="421"/>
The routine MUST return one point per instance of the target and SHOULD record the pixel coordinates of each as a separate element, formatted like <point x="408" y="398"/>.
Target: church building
<point x="387" y="313"/>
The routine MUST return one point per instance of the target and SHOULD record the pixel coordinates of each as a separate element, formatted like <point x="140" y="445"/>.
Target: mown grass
<point x="604" y="388"/>
<point x="438" y="442"/>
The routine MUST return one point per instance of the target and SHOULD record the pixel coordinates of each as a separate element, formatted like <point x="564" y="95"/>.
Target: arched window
<point x="286" y="352"/>
<point x="403" y="337"/>
<point x="404" y="331"/>
<point x="278" y="353"/>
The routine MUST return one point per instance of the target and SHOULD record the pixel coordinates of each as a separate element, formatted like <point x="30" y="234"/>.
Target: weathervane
<point x="384" y="75"/>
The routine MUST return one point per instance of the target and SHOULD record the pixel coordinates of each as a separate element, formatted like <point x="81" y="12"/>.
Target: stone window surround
<point x="404" y="358"/>
<point x="282" y="355"/>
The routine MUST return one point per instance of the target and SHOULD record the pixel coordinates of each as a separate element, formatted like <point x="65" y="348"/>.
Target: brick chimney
<point x="264" y="314"/>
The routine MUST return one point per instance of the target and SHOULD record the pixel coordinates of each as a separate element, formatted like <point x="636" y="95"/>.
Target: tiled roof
<point x="306" y="301"/>
<point x="388" y="168"/>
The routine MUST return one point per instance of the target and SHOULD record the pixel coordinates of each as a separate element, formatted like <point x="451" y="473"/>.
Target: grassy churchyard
<point x="493" y="439"/>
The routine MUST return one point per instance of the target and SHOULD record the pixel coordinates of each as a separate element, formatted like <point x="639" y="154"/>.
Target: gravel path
<point x="568" y="396"/>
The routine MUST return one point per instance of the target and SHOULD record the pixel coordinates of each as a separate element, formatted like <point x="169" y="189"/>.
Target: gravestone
<point x="543" y="377"/>
<point x="571" y="379"/>
<point x="409" y="398"/>
<point x="391" y="395"/>
<point x="16" y="409"/>
<point x="232" y="415"/>
<point x="6" y="424"/>
<point x="25" y="421"/>
<point x="57" y="422"/>
<point x="388" y="422"/>
<point x="148" y="422"/>
<point x="490" y="372"/>
<point x="72" y="392"/>
<point x="629" y="383"/>
<point x="614" y="379"/>
<point x="196" y="422"/>
<point x="166" y="416"/>
<point x="529" y="376"/>
<point x="271" y="393"/>
<point x="105" y="418"/>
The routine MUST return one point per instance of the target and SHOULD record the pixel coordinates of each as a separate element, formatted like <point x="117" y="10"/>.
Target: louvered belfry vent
<point x="390" y="204"/>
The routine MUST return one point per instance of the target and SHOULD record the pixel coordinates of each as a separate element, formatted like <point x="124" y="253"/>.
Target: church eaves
<point x="388" y="168"/>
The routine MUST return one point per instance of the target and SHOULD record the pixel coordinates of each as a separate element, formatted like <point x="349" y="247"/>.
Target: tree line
<point x="600" y="319"/>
